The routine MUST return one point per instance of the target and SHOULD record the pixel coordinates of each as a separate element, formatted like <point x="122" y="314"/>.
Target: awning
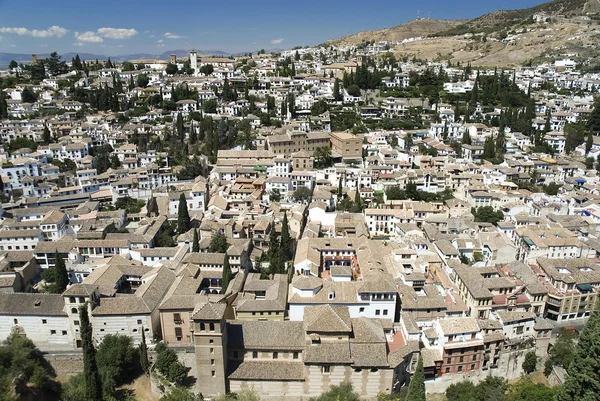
<point x="584" y="287"/>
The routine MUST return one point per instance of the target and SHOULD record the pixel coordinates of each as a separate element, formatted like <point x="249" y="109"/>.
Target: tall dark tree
<point x="196" y="242"/>
<point x="588" y="143"/>
<point x="3" y="105"/>
<point x="285" y="241"/>
<point x="61" y="275"/>
<point x="93" y="386"/>
<point x="183" y="216"/>
<point x="583" y="379"/>
<point x="226" y="276"/>
<point x="593" y="122"/>
<point x="337" y="95"/>
<point x="46" y="137"/>
<point x="466" y="138"/>
<point x="144" y="362"/>
<point x="179" y="128"/>
<point x="416" y="387"/>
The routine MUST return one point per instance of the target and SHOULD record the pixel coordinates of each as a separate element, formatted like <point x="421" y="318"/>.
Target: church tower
<point x="194" y="61"/>
<point x="210" y="345"/>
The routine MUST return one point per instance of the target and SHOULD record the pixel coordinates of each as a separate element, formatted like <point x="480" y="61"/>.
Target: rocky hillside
<point x="501" y="38"/>
<point x="417" y="28"/>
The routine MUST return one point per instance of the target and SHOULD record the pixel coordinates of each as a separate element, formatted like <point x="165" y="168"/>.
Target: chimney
<point x="173" y="59"/>
<point x="34" y="59"/>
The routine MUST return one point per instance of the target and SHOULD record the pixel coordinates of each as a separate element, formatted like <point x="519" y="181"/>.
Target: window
<point x="275" y="355"/>
<point x="325" y="369"/>
<point x="213" y="373"/>
<point x="202" y="327"/>
<point x="139" y="321"/>
<point x="72" y="300"/>
<point x="44" y="321"/>
<point x="447" y="370"/>
<point x="473" y="366"/>
<point x="16" y="321"/>
<point x="449" y="360"/>
<point x="362" y="309"/>
<point x="211" y="341"/>
<point x="254" y="354"/>
<point x="74" y="310"/>
<point x="212" y="326"/>
<point x="64" y="332"/>
<point x="461" y="359"/>
<point x="212" y="362"/>
<point x="460" y="368"/>
<point x="474" y="357"/>
<point x="52" y="332"/>
<point x="178" y="333"/>
<point x="385" y="312"/>
<point x="295" y="355"/>
<point x="377" y="312"/>
<point x="76" y="322"/>
<point x="177" y="317"/>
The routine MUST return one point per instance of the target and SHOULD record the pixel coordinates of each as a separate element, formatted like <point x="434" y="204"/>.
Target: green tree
<point x="165" y="357"/>
<point x="322" y="156"/>
<point x="302" y="194"/>
<point x="218" y="243"/>
<point x="593" y="122"/>
<point x="337" y="96"/>
<point x="589" y="163"/>
<point x="28" y="95"/>
<point x="13" y="64"/>
<point x="207" y="69"/>
<point x="196" y="242"/>
<point x="487" y="214"/>
<point x="226" y="275"/>
<point x="526" y="390"/>
<point x="583" y="379"/>
<point x="74" y="389"/>
<point x="143" y="353"/>
<point x="61" y="276"/>
<point x="116" y="359"/>
<point x="285" y="241"/>
<point x="46" y="137"/>
<point x="340" y="192"/>
<point x="142" y="80"/>
<point x="588" y="143"/>
<point x="183" y="216"/>
<point x="416" y="387"/>
<point x="127" y="66"/>
<point x="177" y="373"/>
<point x="562" y="352"/>
<point x="210" y="106"/>
<point x="461" y="391"/>
<point x="342" y="392"/>
<point x="353" y="90"/>
<point x="93" y="386"/>
<point x="530" y="363"/>
<point x="171" y="69"/>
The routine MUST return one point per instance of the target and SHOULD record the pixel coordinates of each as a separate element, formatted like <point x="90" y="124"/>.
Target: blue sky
<point x="153" y="26"/>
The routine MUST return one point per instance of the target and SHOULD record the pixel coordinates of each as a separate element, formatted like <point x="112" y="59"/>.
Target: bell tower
<point x="194" y="61"/>
<point x="210" y="346"/>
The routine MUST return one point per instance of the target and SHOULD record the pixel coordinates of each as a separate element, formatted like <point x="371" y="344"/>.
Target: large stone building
<point x="292" y="359"/>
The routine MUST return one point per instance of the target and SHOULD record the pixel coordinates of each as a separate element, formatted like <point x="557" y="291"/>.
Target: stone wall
<point x="509" y="367"/>
<point x="66" y="364"/>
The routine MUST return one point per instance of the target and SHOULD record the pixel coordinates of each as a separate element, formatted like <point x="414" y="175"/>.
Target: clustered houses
<point x="405" y="244"/>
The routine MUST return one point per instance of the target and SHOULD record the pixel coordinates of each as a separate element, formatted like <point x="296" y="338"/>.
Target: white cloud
<point x="170" y="35"/>
<point x="160" y="45"/>
<point x="160" y="41"/>
<point x="88" y="36"/>
<point x="277" y="41"/>
<point x="78" y="44"/>
<point x="116" y="33"/>
<point x="12" y="45"/>
<point x="45" y="33"/>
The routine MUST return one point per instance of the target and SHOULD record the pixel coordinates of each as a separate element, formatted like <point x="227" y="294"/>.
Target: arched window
<point x="202" y="327"/>
<point x="74" y="310"/>
<point x="212" y="327"/>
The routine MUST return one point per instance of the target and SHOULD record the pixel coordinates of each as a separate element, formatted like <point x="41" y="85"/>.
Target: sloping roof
<point x="327" y="319"/>
<point x="32" y="304"/>
<point x="209" y="311"/>
<point x="265" y="335"/>
<point x="268" y="370"/>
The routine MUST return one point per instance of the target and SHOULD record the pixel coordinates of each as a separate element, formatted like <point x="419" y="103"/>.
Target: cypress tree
<point x="583" y="379"/>
<point x="336" y="90"/>
<point x="93" y="386"/>
<point x="588" y="144"/>
<point x="3" y="105"/>
<point x="416" y="387"/>
<point x="144" y="363"/>
<point x="226" y="277"/>
<point x="183" y="216"/>
<point x="285" y="242"/>
<point x="60" y="274"/>
<point x="466" y="138"/>
<point x="196" y="242"/>
<point x="340" y="192"/>
<point x="46" y="137"/>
